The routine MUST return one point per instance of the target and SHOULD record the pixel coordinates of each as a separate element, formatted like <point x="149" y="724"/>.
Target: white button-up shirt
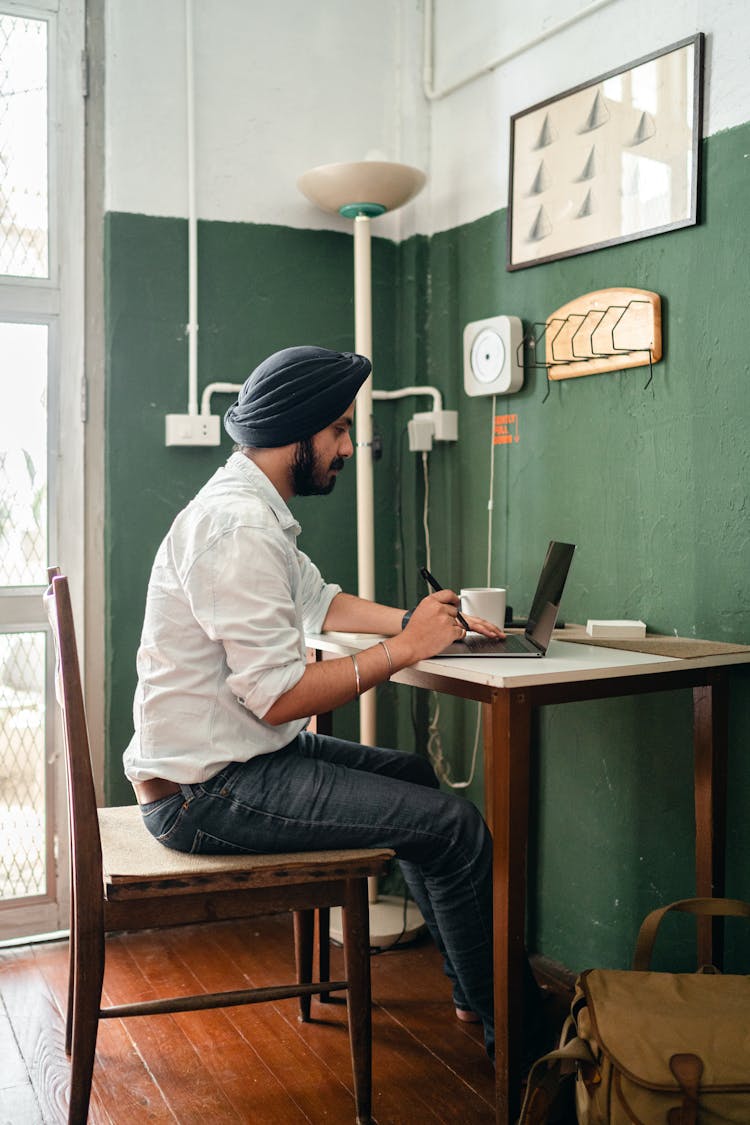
<point x="229" y="600"/>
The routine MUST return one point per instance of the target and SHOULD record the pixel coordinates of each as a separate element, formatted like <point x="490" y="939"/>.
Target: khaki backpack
<point x="651" y="1048"/>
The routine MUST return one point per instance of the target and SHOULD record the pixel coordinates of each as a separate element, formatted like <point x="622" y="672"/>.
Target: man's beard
<point x="308" y="478"/>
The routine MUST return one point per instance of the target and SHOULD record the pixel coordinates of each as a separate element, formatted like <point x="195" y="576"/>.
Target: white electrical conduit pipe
<point x="429" y="49"/>
<point x="217" y="389"/>
<point x="192" y="325"/>
<point x="404" y="392"/>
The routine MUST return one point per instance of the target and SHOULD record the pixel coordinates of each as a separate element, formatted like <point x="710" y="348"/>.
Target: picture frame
<point x="612" y="160"/>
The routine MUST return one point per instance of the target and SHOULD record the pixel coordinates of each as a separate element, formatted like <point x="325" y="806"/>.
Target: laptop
<point x="541" y="619"/>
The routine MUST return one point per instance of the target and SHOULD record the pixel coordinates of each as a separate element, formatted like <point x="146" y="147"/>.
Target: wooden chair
<point x="123" y="879"/>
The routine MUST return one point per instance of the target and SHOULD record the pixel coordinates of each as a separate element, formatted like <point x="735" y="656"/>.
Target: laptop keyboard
<point x="489" y="644"/>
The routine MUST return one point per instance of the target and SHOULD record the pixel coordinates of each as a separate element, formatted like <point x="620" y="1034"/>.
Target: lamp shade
<point x="375" y="183"/>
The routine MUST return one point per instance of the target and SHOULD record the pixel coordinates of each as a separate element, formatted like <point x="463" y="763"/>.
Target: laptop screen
<point x="546" y="604"/>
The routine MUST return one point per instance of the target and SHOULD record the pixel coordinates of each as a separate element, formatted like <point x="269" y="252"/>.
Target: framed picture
<point x="610" y="161"/>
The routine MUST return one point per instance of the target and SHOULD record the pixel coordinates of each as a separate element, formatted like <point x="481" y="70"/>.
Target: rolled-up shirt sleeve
<point x="254" y="593"/>
<point x="317" y="594"/>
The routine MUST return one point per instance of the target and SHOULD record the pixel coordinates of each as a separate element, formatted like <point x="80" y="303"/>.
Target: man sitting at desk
<point x="220" y="760"/>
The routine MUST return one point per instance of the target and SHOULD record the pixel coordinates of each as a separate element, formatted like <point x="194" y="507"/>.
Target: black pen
<point x="436" y="586"/>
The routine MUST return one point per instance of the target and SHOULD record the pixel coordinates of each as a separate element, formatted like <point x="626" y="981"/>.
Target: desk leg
<point x="508" y="719"/>
<point x="488" y="735"/>
<point x="710" y="726"/>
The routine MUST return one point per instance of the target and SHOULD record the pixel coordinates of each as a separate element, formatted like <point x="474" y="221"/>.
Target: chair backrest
<point x="85" y="842"/>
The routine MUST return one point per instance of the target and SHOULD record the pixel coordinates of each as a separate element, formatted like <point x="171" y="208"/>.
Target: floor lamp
<point x="361" y="191"/>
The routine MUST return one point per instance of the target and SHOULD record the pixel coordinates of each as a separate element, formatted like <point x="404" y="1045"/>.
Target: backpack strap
<point x="687" y="1069"/>
<point x="644" y="946"/>
<point x="548" y="1073"/>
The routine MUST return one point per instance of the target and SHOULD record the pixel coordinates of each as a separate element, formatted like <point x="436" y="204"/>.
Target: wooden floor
<point x="253" y="1064"/>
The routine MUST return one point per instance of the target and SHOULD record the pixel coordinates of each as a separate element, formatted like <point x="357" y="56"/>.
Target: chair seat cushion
<point x="132" y="857"/>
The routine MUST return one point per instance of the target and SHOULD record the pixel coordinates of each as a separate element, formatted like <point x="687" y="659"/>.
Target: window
<point x="41" y="333"/>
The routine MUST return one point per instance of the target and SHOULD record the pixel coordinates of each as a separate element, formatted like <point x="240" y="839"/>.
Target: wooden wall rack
<point x="608" y="330"/>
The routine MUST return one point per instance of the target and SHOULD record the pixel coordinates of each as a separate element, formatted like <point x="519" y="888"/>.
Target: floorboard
<point x="121" y="1080"/>
<point x="256" y="1063"/>
<point x="38" y="1031"/>
<point x="399" y="1052"/>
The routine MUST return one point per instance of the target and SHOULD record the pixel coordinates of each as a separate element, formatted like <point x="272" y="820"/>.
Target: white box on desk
<point x="615" y="629"/>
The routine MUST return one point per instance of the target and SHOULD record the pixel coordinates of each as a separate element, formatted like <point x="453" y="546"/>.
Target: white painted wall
<point x="283" y="87"/>
<point x="279" y="88"/>
<point x="470" y="128"/>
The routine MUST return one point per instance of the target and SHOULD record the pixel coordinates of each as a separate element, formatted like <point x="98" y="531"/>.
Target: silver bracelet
<point x="356" y="674"/>
<point x="390" y="662"/>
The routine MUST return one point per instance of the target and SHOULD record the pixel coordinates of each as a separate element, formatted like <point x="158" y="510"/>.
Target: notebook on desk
<point x="541" y="619"/>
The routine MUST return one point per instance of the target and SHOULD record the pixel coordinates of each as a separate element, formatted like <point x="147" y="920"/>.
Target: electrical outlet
<point x="446" y="425"/>
<point x="193" y="429"/>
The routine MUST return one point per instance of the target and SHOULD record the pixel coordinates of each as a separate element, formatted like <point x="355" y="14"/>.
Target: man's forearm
<point x="327" y="684"/>
<point x="350" y="614"/>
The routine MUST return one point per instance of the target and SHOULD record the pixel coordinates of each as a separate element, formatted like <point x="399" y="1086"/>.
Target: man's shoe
<point x="465" y="1015"/>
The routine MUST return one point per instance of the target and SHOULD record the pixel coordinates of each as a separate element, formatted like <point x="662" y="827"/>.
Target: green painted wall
<point x="651" y="482"/>
<point x="261" y="288"/>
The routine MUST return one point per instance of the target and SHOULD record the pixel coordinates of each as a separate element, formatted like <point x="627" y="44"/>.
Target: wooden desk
<point x="509" y="690"/>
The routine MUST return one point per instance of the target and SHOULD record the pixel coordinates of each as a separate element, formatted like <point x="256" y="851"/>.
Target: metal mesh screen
<point x="22" y="765"/>
<point x="24" y="223"/>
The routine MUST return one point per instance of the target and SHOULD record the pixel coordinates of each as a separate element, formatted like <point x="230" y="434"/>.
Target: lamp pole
<point x="380" y="186"/>
<point x="363" y="465"/>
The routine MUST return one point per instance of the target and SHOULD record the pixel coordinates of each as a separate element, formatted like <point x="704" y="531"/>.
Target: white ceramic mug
<point x="484" y="601"/>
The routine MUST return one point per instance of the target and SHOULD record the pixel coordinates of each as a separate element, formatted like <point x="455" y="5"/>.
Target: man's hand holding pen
<point x="437" y="621"/>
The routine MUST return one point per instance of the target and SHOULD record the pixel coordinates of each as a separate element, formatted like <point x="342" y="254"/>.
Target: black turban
<point x="294" y="394"/>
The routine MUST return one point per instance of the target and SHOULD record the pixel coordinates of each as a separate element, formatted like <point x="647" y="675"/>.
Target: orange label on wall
<point x="506" y="429"/>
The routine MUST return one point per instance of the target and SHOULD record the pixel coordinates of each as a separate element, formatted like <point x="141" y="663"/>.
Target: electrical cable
<point x="435" y="750"/>
<point x="405" y="599"/>
<point x="491" y="500"/>
<point x="374" y="950"/>
<point x="490" y="509"/>
<point x="426" y="512"/>
<point x="434" y="741"/>
<point x="377" y="949"/>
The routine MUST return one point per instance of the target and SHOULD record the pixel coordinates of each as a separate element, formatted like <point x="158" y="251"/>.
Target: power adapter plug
<point x="420" y="429"/>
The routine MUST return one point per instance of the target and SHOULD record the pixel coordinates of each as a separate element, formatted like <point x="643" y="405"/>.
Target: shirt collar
<point x="242" y="465"/>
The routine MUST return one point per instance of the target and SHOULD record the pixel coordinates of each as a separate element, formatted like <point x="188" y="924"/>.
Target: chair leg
<point x="356" y="926"/>
<point x="324" y="949"/>
<point x="304" y="932"/>
<point x="88" y="974"/>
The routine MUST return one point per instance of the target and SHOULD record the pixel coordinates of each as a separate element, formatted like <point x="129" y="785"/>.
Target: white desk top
<point x="564" y="663"/>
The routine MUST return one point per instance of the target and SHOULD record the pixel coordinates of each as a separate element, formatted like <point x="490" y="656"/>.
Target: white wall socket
<point x="492" y="350"/>
<point x="446" y="425"/>
<point x="442" y="425"/>
<point x="193" y="429"/>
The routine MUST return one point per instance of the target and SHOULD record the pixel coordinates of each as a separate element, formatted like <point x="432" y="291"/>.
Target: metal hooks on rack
<point x="610" y="330"/>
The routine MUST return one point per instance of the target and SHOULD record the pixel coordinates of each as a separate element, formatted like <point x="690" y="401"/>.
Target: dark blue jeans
<point x="321" y="792"/>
